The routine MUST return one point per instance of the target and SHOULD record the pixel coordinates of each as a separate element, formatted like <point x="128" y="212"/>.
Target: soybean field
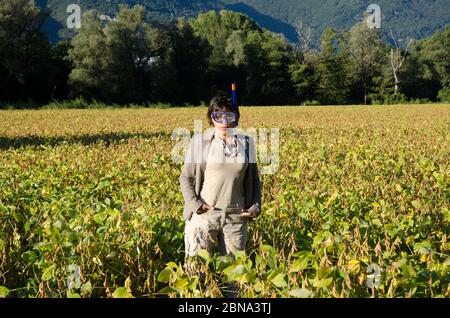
<point x="90" y="204"/>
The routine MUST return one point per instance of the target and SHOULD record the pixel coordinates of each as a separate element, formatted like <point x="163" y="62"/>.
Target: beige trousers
<point x="225" y="229"/>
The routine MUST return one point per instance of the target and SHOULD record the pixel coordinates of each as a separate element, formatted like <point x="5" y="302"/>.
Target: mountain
<point x="406" y="18"/>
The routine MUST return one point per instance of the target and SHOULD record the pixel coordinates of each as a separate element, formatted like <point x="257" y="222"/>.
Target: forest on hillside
<point x="129" y="60"/>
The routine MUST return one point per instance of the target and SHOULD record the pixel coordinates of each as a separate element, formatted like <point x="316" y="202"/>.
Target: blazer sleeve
<point x="187" y="181"/>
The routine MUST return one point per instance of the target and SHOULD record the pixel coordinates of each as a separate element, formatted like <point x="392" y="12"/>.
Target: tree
<point x="224" y="30"/>
<point x="278" y="56"/>
<point x="241" y="51"/>
<point x="136" y="51"/>
<point x="63" y="67"/>
<point x="332" y="74"/>
<point x="303" y="78"/>
<point x="302" y="68"/>
<point x="366" y="50"/>
<point x="426" y="71"/>
<point x="435" y="55"/>
<point x="217" y="27"/>
<point x="304" y="41"/>
<point x="126" y="60"/>
<point x="25" y="65"/>
<point x="190" y="58"/>
<point x="397" y="58"/>
<point x="89" y="55"/>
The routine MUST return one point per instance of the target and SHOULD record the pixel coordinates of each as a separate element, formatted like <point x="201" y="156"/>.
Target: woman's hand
<point x="204" y="208"/>
<point x="248" y="214"/>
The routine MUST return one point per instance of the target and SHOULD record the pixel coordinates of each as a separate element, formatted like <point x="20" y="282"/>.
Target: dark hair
<point x="219" y="103"/>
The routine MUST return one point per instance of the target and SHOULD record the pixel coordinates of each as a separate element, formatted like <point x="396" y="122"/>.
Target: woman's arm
<point x="187" y="180"/>
<point x="256" y="195"/>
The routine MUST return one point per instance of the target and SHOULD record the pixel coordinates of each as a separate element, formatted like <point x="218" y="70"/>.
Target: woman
<point x="220" y="183"/>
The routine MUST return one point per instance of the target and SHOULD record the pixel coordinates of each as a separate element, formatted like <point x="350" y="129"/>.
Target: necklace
<point x="231" y="150"/>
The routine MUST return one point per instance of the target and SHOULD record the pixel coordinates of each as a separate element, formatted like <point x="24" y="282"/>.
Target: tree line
<point x="128" y="60"/>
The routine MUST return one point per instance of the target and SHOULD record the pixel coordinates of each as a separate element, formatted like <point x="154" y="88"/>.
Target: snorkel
<point x="234" y="99"/>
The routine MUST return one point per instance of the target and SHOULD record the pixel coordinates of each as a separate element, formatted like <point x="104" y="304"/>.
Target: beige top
<point x="192" y="174"/>
<point x="223" y="186"/>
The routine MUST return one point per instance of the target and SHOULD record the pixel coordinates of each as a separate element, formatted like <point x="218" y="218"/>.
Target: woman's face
<point x="221" y="128"/>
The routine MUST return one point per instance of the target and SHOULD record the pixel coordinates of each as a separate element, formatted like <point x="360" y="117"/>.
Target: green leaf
<point x="222" y="262"/>
<point x="257" y="286"/>
<point x="321" y="283"/>
<point x="18" y="217"/>
<point x="100" y="218"/>
<point x="240" y="255"/>
<point x="113" y="212"/>
<point x="29" y="256"/>
<point x="377" y="222"/>
<point x="181" y="283"/>
<point x="250" y="276"/>
<point x="193" y="282"/>
<point x="48" y="273"/>
<point x="279" y="281"/>
<point x="273" y="274"/>
<point x="204" y="254"/>
<point x="71" y="294"/>
<point x="4" y="292"/>
<point x="354" y="266"/>
<point x="300" y="293"/>
<point x="237" y="273"/>
<point x="447" y="261"/>
<point x="301" y="262"/>
<point x="86" y="289"/>
<point x="164" y="275"/>
<point x="172" y="265"/>
<point x="416" y="204"/>
<point x="169" y="289"/>
<point x="127" y="244"/>
<point x="423" y="248"/>
<point x="227" y="271"/>
<point x="121" y="292"/>
<point x="269" y="249"/>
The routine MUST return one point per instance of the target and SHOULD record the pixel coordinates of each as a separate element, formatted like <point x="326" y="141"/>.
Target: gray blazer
<point x="192" y="174"/>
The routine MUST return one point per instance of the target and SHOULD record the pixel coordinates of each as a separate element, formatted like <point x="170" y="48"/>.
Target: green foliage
<point x="257" y="59"/>
<point x="128" y="62"/>
<point x="121" y="292"/>
<point x="90" y="196"/>
<point x="3" y="292"/>
<point x="427" y="68"/>
<point x="26" y="70"/>
<point x="332" y="74"/>
<point x="435" y="54"/>
<point x="190" y="57"/>
<point x="217" y="27"/>
<point x="444" y="95"/>
<point x="367" y="55"/>
<point x="407" y="16"/>
<point x="303" y="81"/>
